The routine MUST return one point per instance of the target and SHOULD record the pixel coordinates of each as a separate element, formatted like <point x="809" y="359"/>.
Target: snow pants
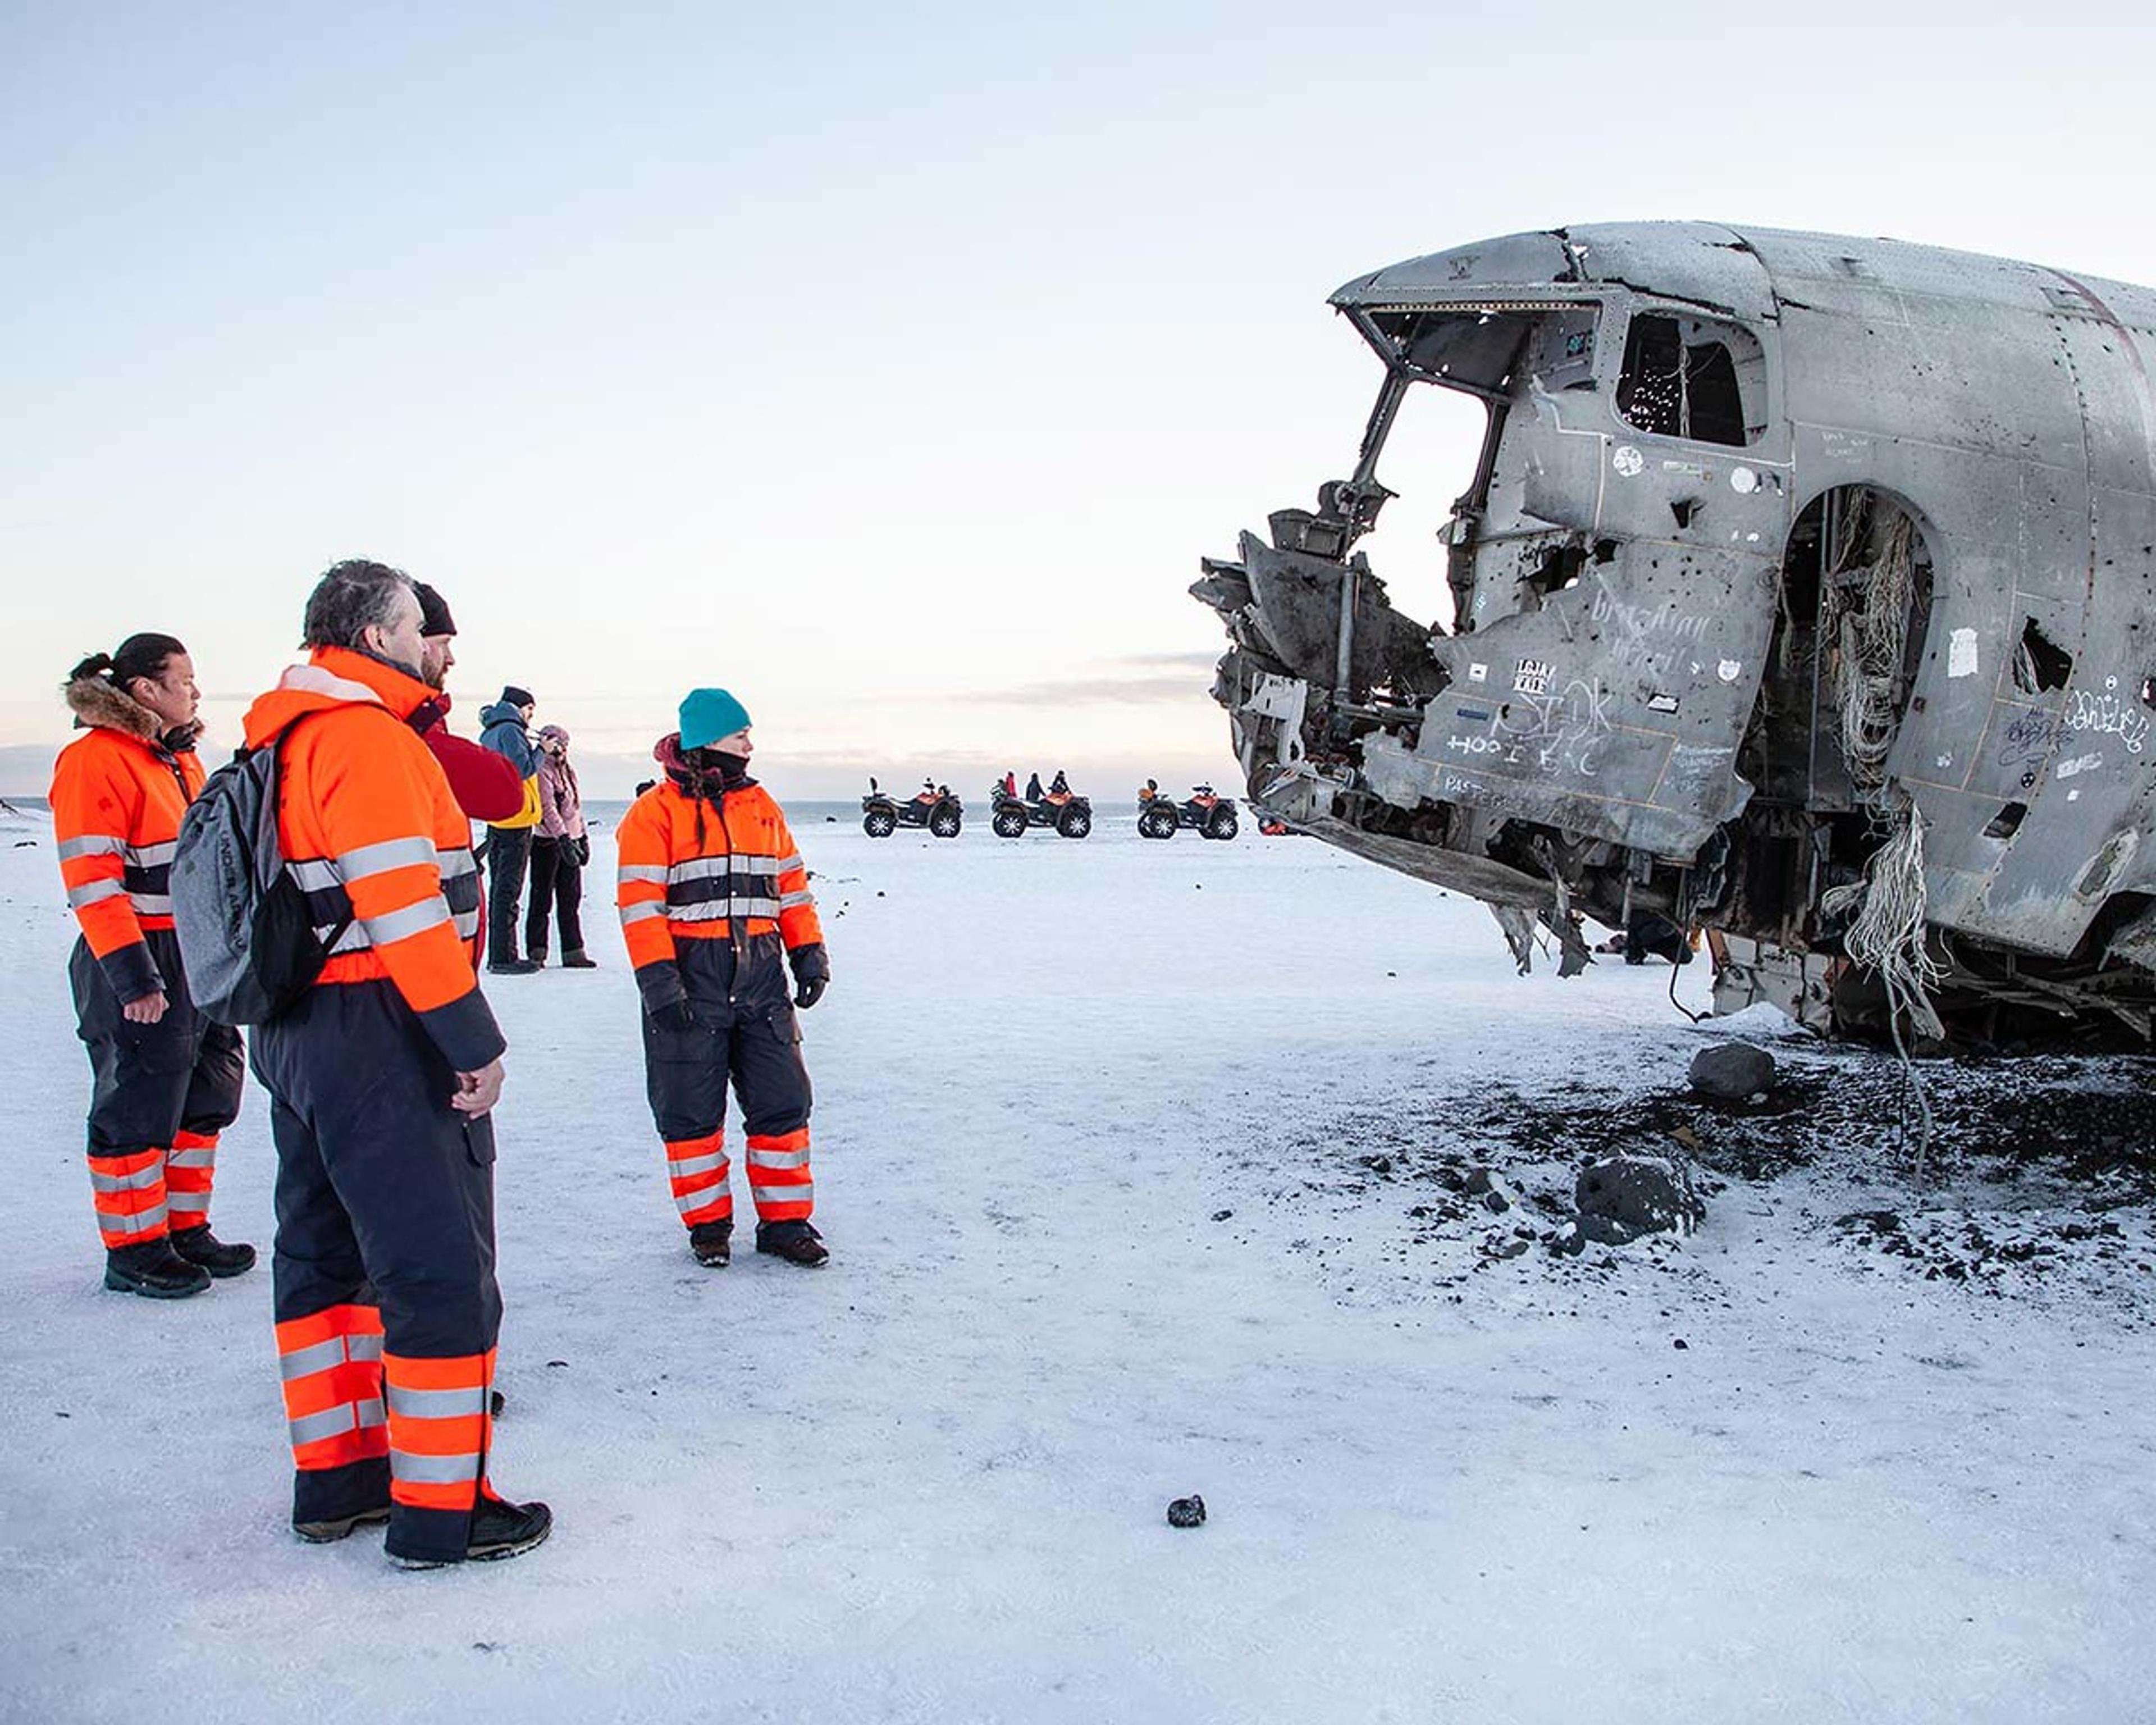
<point x="508" y="856"/>
<point x="160" y="1095"/>
<point x="686" y="1073"/>
<point x="386" y="1303"/>
<point x="557" y="887"/>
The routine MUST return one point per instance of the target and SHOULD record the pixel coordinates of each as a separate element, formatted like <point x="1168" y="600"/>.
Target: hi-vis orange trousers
<point x="161" y="1094"/>
<point x="386" y="1305"/>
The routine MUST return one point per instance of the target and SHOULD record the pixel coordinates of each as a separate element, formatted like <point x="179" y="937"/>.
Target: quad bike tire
<point x="1075" y="822"/>
<point x="879" y="823"/>
<point x="1009" y="824"/>
<point x="945" y="821"/>
<point x="1156" y="824"/>
<point x="1221" y="822"/>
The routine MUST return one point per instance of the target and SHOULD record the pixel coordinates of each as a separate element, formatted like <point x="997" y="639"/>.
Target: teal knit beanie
<point x="709" y="714"/>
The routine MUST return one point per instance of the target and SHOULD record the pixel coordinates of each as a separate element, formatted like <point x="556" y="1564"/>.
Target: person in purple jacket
<point x="560" y="848"/>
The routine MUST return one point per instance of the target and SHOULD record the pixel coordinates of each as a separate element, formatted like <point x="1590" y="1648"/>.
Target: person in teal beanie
<point x="715" y="910"/>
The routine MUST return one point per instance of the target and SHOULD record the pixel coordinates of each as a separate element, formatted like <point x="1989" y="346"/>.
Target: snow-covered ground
<point x="1138" y="1163"/>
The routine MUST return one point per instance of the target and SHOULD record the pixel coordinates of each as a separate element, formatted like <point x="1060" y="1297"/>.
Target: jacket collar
<point x="334" y="677"/>
<point x="710" y="783"/>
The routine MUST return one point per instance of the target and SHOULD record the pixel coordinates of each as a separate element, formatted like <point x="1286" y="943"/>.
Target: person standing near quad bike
<point x="715" y="908"/>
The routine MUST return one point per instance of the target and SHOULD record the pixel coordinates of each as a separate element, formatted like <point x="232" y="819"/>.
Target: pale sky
<point x="892" y="366"/>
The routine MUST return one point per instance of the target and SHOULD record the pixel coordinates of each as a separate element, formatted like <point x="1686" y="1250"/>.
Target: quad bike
<point x="1203" y="811"/>
<point x="1072" y="815"/>
<point x="932" y="806"/>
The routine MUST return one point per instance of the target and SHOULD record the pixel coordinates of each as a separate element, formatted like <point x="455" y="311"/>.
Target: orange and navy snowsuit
<point x="161" y="1093"/>
<point x="715" y="904"/>
<point x="386" y="1305"/>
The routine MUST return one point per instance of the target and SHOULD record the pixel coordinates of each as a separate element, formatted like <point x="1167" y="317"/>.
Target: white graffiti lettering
<point x="2107" y="715"/>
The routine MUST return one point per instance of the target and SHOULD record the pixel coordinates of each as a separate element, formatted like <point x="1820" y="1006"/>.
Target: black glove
<point x="676" y="1016"/>
<point x="583" y="844"/>
<point x="812" y="974"/>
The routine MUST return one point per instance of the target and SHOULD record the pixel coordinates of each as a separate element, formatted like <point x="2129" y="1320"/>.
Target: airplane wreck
<point x="1804" y="592"/>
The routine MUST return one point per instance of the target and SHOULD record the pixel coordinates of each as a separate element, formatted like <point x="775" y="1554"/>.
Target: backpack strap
<point x="265" y="838"/>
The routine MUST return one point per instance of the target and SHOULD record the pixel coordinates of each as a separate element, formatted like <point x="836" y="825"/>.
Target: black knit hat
<point x="434" y="618"/>
<point x="517" y="697"/>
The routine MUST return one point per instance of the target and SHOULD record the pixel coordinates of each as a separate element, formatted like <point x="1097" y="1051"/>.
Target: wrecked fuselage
<point x="1802" y="590"/>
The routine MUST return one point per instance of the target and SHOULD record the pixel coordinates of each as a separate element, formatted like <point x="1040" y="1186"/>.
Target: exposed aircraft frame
<point x="1804" y="589"/>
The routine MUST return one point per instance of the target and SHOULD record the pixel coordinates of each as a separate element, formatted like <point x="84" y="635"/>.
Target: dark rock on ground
<point x="1733" y="1071"/>
<point x="1620" y="1198"/>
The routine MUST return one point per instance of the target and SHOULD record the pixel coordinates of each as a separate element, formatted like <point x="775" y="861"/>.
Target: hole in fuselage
<point x="2040" y="663"/>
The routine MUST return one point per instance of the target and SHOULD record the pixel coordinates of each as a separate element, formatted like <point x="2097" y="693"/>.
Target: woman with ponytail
<point x="166" y="1081"/>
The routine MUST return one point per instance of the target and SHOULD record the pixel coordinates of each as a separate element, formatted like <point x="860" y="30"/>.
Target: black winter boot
<point x="340" y="1526"/>
<point x="198" y="1246"/>
<point x="510" y="966"/>
<point x="713" y="1244"/>
<point x="796" y="1242"/>
<point x="499" y="1529"/>
<point x="151" y="1268"/>
<point x="574" y="959"/>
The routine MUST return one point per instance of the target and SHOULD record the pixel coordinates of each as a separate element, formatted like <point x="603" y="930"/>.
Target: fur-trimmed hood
<point x="99" y="704"/>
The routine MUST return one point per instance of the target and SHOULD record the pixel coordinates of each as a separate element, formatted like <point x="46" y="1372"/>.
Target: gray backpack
<point x="246" y="936"/>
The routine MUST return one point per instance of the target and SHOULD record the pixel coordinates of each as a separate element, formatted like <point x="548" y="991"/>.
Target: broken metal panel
<point x="1645" y="697"/>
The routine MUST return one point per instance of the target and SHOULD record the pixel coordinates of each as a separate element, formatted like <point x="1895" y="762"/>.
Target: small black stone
<point x="1186" y="1511"/>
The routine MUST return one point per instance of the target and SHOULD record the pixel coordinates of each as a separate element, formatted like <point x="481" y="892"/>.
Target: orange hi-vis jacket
<point x="117" y="797"/>
<point x="373" y="835"/>
<point x="695" y="870"/>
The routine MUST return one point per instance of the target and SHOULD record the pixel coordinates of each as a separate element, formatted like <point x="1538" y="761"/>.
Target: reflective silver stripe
<point x="697" y="1164"/>
<point x="194" y="1205"/>
<point x="454" y="863"/>
<point x="330" y="1422"/>
<point x="785" y="863"/>
<point x="315" y="1357"/>
<point x="700" y="1198"/>
<point x="134" y="1221"/>
<point x="314" y="876"/>
<point x="804" y="1193"/>
<point x="703" y="868"/>
<point x="467" y="923"/>
<point x="200" y="1156"/>
<point x="640" y="871"/>
<point x="718" y="910"/>
<point x="370" y="1411"/>
<point x="432" y="1469"/>
<point x="643" y="912"/>
<point x="406" y="1403"/>
<point x="778" y="1159"/>
<point x="150" y="1176"/>
<point x="365" y="1345"/>
<point x="412" y="919"/>
<point x="152" y="904"/>
<point x="379" y="858"/>
<point x="794" y="900"/>
<point x="92" y="845"/>
<point x="77" y="896"/>
<point x="151" y="856"/>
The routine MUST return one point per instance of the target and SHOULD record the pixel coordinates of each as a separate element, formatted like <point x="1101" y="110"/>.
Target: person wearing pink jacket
<point x="560" y="848"/>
